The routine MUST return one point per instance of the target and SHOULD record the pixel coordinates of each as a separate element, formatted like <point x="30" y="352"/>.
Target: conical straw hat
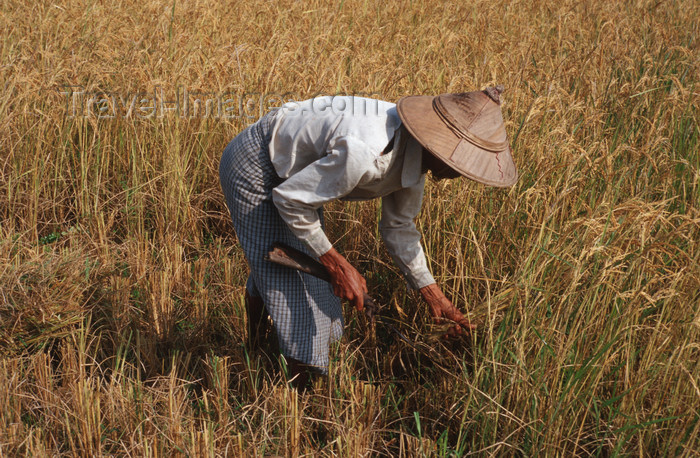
<point x="465" y="131"/>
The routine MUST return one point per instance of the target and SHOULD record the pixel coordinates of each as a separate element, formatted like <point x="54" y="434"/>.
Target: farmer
<point x="279" y="172"/>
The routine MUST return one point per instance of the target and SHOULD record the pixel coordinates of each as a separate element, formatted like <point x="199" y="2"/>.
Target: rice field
<point x="122" y="325"/>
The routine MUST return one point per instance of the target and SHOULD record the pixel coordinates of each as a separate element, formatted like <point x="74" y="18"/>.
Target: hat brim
<point x="487" y="167"/>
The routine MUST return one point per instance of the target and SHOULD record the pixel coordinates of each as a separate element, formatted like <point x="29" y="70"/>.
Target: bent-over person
<point x="279" y="172"/>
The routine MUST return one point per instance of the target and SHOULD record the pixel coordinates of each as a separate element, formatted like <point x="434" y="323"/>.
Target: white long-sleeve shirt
<point x="330" y="148"/>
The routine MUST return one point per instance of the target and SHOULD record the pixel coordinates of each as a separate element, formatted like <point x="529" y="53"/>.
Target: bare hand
<point x="347" y="282"/>
<point x="442" y="310"/>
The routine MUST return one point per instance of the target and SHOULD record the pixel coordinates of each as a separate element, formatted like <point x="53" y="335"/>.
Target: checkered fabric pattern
<point x="306" y="315"/>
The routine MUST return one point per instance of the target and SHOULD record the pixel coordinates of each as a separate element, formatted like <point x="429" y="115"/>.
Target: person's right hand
<point x="442" y="309"/>
<point x="347" y="282"/>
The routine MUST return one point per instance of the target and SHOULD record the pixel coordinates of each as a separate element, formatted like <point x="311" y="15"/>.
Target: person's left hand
<point x="347" y="282"/>
<point x="442" y="310"/>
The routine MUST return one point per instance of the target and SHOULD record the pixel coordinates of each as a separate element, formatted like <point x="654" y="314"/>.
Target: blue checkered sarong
<point x="306" y="315"/>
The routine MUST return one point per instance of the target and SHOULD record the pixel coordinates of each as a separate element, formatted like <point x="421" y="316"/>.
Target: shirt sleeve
<point x="329" y="178"/>
<point x="402" y="239"/>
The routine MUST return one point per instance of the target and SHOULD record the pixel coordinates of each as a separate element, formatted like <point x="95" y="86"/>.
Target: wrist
<point x="331" y="260"/>
<point x="431" y="292"/>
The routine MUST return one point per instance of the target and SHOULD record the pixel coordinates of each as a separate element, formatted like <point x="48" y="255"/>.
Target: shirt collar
<point x="412" y="152"/>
